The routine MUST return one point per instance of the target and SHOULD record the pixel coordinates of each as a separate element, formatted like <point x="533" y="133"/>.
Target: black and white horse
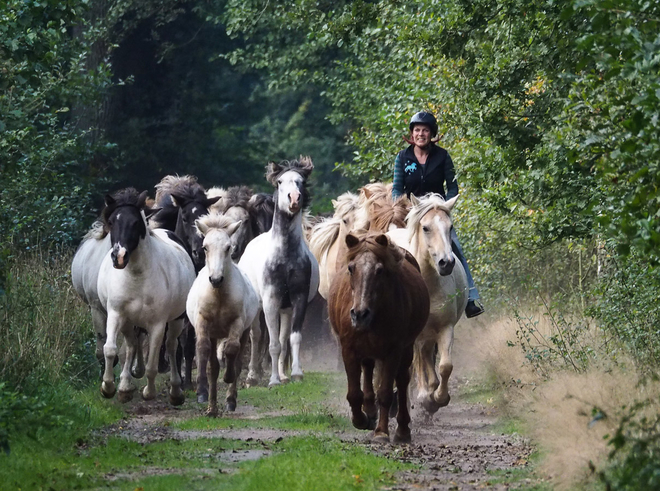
<point x="143" y="281"/>
<point x="282" y="270"/>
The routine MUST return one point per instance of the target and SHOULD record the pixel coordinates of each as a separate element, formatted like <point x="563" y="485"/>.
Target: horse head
<point x="372" y="260"/>
<point x="192" y="207"/>
<point x="430" y="221"/>
<point x="125" y="215"/>
<point x="290" y="180"/>
<point x="216" y="232"/>
<point x="243" y="235"/>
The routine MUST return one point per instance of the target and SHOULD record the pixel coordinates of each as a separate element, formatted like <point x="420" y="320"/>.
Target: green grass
<point x="302" y="422"/>
<point x="310" y="396"/>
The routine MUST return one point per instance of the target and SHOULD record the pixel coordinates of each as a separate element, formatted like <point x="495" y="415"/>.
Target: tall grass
<point x="45" y="330"/>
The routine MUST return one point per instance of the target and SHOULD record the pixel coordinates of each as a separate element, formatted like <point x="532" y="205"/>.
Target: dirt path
<point x="456" y="448"/>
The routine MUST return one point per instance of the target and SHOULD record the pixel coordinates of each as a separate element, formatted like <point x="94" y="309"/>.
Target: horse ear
<point x="413" y="200"/>
<point x="212" y="201"/>
<point x="334" y="203"/>
<point x="150" y="212"/>
<point x="109" y="200"/>
<point x="272" y="171"/>
<point x="450" y="203"/>
<point x="202" y="228"/>
<point x="352" y="240"/>
<point x="382" y="239"/>
<point x="367" y="193"/>
<point x="142" y="199"/>
<point x="306" y="165"/>
<point x="178" y="200"/>
<point x="233" y="227"/>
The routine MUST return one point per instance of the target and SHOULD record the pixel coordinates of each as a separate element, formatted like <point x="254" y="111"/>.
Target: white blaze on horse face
<point x="120" y="254"/>
<point x="436" y="230"/>
<point x="218" y="249"/>
<point x="289" y="197"/>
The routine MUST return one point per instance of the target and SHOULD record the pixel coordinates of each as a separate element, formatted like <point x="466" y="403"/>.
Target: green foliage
<point x="635" y="453"/>
<point x="45" y="330"/>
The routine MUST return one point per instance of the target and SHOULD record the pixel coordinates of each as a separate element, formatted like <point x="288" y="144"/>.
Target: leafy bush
<point x="45" y="330"/>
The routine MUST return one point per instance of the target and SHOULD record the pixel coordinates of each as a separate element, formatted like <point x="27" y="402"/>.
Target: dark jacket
<point x="410" y="177"/>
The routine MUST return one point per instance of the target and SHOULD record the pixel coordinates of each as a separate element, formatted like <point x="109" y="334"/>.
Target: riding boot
<point x="474" y="306"/>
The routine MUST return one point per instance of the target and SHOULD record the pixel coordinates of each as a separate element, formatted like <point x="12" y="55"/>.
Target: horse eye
<point x="227" y="248"/>
<point x="204" y="248"/>
<point x="351" y="268"/>
<point x="426" y="229"/>
<point x="379" y="269"/>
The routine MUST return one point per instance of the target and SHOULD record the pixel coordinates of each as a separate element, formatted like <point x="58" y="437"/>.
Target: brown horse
<point x="378" y="304"/>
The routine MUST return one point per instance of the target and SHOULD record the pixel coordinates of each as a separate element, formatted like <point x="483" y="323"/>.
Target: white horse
<point x="283" y="271"/>
<point x="144" y="281"/>
<point x="427" y="236"/>
<point x="222" y="304"/>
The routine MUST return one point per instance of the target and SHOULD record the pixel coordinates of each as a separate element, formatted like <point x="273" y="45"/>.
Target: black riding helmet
<point x="423" y="117"/>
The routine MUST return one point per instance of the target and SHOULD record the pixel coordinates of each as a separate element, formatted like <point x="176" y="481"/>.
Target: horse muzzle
<point x="216" y="281"/>
<point x="445" y="267"/>
<point x="361" y="319"/>
<point x="119" y="259"/>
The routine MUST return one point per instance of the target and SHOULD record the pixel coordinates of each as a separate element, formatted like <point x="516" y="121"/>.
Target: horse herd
<point x="207" y="269"/>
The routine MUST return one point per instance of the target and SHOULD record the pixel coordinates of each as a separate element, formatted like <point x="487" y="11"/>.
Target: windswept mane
<point x="123" y="197"/>
<point x="346" y="204"/>
<point x="390" y="255"/>
<point x="323" y="235"/>
<point x="214" y="220"/>
<point x="97" y="231"/>
<point x="390" y="213"/>
<point x="432" y="201"/>
<point x="186" y="187"/>
<point x="303" y="166"/>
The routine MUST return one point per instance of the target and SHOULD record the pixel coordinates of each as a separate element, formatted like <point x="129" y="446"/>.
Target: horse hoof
<point x="297" y="378"/>
<point x="108" y="394"/>
<point x="371" y="425"/>
<point x="202" y="398"/>
<point x="442" y="401"/>
<point x="177" y="400"/>
<point x="138" y="373"/>
<point x="274" y="384"/>
<point x="251" y="382"/>
<point x="231" y="406"/>
<point x="430" y="406"/>
<point x="125" y="396"/>
<point x="212" y="412"/>
<point x="148" y="396"/>
<point x="363" y="423"/>
<point x="380" y="437"/>
<point x="402" y="436"/>
<point x="285" y="380"/>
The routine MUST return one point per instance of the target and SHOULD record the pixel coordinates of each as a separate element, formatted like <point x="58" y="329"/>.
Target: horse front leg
<point x="369" y="403"/>
<point x="354" y="396"/>
<point x="299" y="310"/>
<point x="445" y="343"/>
<point x="285" y="334"/>
<point x="402" y="434"/>
<point x="176" y="393"/>
<point x="188" y="342"/>
<point x="214" y="363"/>
<point x="126" y="387"/>
<point x="254" y="367"/>
<point x="427" y="380"/>
<point x="156" y="334"/>
<point x="234" y="350"/>
<point x="272" y="315"/>
<point x="100" y="320"/>
<point x="385" y="396"/>
<point x="113" y="327"/>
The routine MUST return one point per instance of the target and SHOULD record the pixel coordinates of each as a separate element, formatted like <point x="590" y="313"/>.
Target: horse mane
<point x="389" y="213"/>
<point x="323" y="235"/>
<point x="97" y="231"/>
<point x="219" y="206"/>
<point x="186" y="187"/>
<point x="214" y="220"/>
<point x="303" y="166"/>
<point x="431" y="201"/>
<point x="123" y="197"/>
<point x="390" y="255"/>
<point x="345" y="204"/>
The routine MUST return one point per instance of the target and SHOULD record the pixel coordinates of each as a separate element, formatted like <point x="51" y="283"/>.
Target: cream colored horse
<point x="327" y="238"/>
<point x="428" y="237"/>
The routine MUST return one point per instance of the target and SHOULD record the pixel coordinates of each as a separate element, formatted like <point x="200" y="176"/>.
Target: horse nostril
<point x="217" y="281"/>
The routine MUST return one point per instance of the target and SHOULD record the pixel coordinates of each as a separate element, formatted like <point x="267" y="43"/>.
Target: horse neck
<point x="286" y="227"/>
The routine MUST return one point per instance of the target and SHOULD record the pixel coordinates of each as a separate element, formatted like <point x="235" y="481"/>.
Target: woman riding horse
<point x="425" y="167"/>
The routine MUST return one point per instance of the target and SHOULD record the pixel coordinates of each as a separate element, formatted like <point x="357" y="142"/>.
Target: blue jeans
<point x="473" y="293"/>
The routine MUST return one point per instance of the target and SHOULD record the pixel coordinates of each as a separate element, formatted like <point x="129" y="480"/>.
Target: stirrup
<point x="473" y="309"/>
